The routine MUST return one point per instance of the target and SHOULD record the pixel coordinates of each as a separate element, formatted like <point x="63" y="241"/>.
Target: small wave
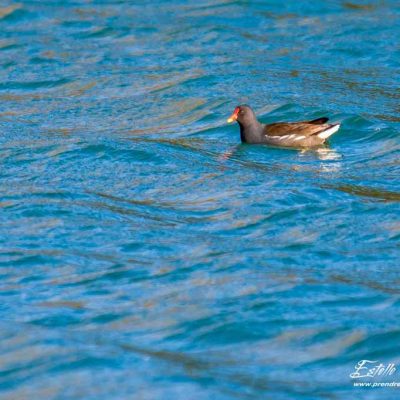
<point x="6" y="12"/>
<point x="15" y="85"/>
<point x="365" y="191"/>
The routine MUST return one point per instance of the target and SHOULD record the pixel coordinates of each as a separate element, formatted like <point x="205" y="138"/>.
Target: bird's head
<point x="243" y="114"/>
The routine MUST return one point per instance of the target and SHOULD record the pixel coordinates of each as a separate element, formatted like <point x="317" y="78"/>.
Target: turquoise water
<point x="146" y="253"/>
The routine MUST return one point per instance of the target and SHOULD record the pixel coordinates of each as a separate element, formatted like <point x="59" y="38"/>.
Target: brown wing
<point x="306" y="129"/>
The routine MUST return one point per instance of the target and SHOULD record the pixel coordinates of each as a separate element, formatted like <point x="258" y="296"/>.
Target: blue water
<point x="146" y="253"/>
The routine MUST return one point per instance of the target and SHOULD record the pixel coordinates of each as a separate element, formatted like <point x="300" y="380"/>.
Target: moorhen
<point x="286" y="134"/>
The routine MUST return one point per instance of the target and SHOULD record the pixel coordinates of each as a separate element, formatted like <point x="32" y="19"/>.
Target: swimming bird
<point x="286" y="134"/>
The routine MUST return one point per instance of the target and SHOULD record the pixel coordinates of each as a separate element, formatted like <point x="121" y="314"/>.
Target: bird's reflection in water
<point x="323" y="153"/>
<point x="227" y="154"/>
<point x="330" y="157"/>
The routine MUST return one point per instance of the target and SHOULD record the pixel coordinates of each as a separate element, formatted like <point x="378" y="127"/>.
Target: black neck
<point x="242" y="135"/>
<point x="251" y="133"/>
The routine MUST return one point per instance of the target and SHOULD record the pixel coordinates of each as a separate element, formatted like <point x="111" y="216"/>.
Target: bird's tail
<point x="329" y="131"/>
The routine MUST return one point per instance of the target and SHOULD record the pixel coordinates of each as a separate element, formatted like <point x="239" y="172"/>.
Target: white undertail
<point x="329" y="132"/>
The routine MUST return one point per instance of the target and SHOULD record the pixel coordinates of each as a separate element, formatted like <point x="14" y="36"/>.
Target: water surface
<point x="145" y="253"/>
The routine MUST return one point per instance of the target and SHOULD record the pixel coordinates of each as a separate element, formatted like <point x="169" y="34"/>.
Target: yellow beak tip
<point x="229" y="120"/>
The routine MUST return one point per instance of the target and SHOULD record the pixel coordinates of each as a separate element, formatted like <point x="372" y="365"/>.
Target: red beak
<point x="234" y="116"/>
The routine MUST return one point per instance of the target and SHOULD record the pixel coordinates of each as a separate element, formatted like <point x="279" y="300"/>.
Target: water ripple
<point x="142" y="246"/>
